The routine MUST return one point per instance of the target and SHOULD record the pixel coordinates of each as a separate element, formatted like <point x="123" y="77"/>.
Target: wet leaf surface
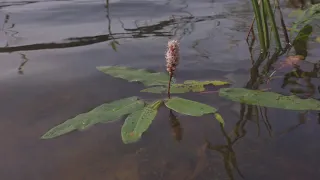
<point x="187" y="86"/>
<point x="269" y="99"/>
<point x="136" y="75"/>
<point x="188" y="107"/>
<point x="138" y="122"/>
<point x="104" y="113"/>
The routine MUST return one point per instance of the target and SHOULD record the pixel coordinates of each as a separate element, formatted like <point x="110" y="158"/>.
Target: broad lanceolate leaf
<point x="136" y="75"/>
<point x="187" y="86"/>
<point x="188" y="107"/>
<point x="104" y="113"/>
<point x="269" y="99"/>
<point x="138" y="122"/>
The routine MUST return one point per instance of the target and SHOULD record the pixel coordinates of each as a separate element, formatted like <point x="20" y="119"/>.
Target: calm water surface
<point x="48" y="54"/>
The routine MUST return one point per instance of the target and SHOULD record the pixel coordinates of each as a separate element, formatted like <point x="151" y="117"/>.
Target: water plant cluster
<point x="140" y="113"/>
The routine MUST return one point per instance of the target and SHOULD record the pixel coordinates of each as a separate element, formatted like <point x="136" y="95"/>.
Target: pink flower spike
<point x="172" y="56"/>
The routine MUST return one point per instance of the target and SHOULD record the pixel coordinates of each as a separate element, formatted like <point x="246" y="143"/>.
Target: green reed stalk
<point x="273" y="23"/>
<point x="264" y="21"/>
<point x="259" y="25"/>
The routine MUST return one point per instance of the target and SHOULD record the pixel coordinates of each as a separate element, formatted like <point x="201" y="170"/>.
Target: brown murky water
<point x="48" y="54"/>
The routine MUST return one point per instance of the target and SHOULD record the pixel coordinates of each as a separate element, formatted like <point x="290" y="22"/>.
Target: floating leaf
<point x="214" y="82"/>
<point x="104" y="113"/>
<point x="175" y="89"/>
<point x="219" y="118"/>
<point x="187" y="86"/>
<point x="188" y="107"/>
<point x="138" y="122"/>
<point x="157" y="90"/>
<point x="269" y="99"/>
<point x="136" y="75"/>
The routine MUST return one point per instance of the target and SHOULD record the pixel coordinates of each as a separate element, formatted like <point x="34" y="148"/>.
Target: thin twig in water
<point x="284" y="28"/>
<point x="251" y="30"/>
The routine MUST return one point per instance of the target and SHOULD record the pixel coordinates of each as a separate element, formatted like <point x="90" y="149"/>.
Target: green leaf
<point x="188" y="107"/>
<point x="136" y="75"/>
<point x="219" y="118"/>
<point x="318" y="39"/>
<point x="138" y="122"/>
<point x="307" y="16"/>
<point x="104" y="113"/>
<point x="159" y="90"/>
<point x="269" y="99"/>
<point x="301" y="41"/>
<point x="295" y="13"/>
<point x="187" y="86"/>
<point x="114" y="44"/>
<point x="199" y="83"/>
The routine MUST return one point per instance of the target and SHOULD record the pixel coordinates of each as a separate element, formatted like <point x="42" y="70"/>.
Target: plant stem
<point x="273" y="23"/>
<point x="251" y="30"/>
<point x="284" y="28"/>
<point x="169" y="84"/>
<point x="259" y="25"/>
<point x="264" y="21"/>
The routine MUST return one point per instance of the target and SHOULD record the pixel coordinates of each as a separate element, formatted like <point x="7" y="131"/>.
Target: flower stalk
<point x="172" y="59"/>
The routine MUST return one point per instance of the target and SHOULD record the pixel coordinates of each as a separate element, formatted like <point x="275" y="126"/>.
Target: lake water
<point x="48" y="57"/>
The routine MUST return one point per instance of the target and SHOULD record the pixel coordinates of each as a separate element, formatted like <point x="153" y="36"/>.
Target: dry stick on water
<point x="172" y="59"/>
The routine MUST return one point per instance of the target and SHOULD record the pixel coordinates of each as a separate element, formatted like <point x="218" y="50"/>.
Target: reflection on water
<point x="138" y="32"/>
<point x="256" y="143"/>
<point x="228" y="154"/>
<point x="24" y="61"/>
<point x="177" y="130"/>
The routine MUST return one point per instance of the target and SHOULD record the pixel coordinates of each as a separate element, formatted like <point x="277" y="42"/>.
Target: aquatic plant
<point x="263" y="14"/>
<point x="172" y="59"/>
<point x="139" y="112"/>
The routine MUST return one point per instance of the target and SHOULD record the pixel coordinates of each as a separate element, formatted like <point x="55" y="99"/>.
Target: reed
<point x="265" y="22"/>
